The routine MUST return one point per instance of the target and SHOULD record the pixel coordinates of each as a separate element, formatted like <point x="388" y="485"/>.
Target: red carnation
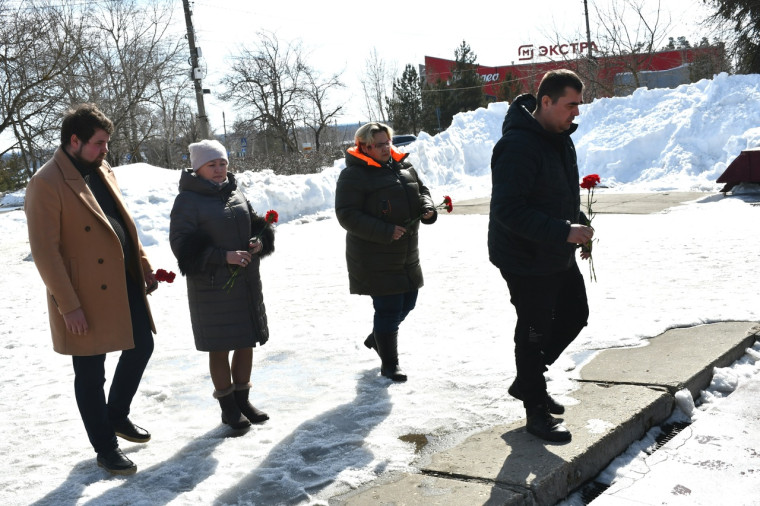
<point x="449" y="206"/>
<point x="446" y="204"/>
<point x="166" y="276"/>
<point x="589" y="183"/>
<point x="271" y="216"/>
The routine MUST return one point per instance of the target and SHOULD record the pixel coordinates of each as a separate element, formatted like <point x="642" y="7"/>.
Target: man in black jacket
<point x="534" y="229"/>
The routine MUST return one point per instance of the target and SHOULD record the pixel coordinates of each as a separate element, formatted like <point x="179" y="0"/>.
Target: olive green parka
<point x="371" y="199"/>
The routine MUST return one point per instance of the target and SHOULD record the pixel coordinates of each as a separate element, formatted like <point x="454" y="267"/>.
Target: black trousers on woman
<point x="551" y="312"/>
<point x="90" y="377"/>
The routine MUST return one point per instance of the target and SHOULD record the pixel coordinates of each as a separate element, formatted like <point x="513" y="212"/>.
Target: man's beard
<point x="87" y="165"/>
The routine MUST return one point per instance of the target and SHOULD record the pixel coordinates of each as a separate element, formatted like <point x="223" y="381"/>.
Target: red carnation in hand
<point x="589" y="183"/>
<point x="448" y="205"/>
<point x="270" y="217"/>
<point x="166" y="276"/>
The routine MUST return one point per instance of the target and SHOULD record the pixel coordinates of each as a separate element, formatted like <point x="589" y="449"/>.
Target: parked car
<point x="403" y="140"/>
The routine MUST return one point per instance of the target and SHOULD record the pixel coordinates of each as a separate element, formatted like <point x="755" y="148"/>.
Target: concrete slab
<point x="603" y="424"/>
<point x="640" y="203"/>
<point x="426" y="490"/>
<point x="676" y="359"/>
<point x="607" y="203"/>
<point x="623" y="393"/>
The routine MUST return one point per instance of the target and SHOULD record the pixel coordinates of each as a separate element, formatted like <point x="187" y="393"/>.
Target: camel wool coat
<point x="80" y="257"/>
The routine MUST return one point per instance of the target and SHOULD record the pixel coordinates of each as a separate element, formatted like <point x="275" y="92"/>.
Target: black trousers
<point x="89" y="378"/>
<point x="551" y="311"/>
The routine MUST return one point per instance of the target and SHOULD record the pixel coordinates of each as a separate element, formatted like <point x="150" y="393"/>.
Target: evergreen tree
<point x="463" y="92"/>
<point x="405" y="108"/>
<point x="466" y="82"/>
<point x="433" y="97"/>
<point x="509" y="88"/>
<point x="744" y="17"/>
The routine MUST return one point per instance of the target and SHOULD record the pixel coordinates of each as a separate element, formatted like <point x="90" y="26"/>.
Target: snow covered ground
<point x="335" y="423"/>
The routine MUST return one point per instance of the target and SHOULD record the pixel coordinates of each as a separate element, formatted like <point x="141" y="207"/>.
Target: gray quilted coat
<point x="206" y="222"/>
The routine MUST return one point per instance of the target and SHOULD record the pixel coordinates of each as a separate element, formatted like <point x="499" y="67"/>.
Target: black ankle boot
<point x="541" y="424"/>
<point x="554" y="406"/>
<point x="246" y="408"/>
<point x="231" y="414"/>
<point x="387" y="348"/>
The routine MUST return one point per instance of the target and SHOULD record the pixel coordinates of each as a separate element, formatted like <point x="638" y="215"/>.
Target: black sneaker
<point x="541" y="424"/>
<point x="131" y="432"/>
<point x="115" y="462"/>
<point x="554" y="406"/>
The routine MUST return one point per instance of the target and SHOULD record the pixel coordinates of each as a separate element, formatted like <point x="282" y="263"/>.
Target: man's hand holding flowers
<point x="589" y="183"/>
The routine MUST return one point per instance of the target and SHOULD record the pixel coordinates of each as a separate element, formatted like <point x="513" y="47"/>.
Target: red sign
<point x="526" y="76"/>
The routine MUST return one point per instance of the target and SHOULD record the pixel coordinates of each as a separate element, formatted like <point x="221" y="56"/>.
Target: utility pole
<point x="195" y="73"/>
<point x="591" y="62"/>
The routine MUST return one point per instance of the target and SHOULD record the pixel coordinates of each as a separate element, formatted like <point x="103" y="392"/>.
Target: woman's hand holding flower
<point x="238" y="258"/>
<point x="255" y="246"/>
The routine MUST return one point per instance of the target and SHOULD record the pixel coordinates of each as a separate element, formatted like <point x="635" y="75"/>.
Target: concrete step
<point x="622" y="394"/>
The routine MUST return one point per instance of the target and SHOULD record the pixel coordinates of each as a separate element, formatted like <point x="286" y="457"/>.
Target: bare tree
<point x="626" y="34"/>
<point x="130" y="58"/>
<point x="118" y="54"/>
<point x="38" y="45"/>
<point x="318" y="114"/>
<point x="627" y="29"/>
<point x="268" y="82"/>
<point x="178" y="125"/>
<point x="376" y="82"/>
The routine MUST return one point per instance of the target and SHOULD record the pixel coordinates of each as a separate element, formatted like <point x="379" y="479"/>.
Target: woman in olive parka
<point x="380" y="201"/>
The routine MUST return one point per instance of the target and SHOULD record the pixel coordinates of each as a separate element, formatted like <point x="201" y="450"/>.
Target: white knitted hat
<point x="204" y="151"/>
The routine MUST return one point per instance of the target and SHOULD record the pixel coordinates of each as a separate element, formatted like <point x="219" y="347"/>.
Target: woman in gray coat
<point x="211" y="231"/>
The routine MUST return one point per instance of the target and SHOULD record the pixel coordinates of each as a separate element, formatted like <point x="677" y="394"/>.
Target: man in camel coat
<point x="87" y="251"/>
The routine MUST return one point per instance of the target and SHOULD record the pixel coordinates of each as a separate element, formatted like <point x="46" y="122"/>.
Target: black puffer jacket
<point x="206" y="222"/>
<point x="370" y="200"/>
<point x="535" y="195"/>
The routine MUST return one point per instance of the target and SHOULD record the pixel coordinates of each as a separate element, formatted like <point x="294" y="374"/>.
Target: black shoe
<point x="554" y="406"/>
<point x="541" y="424"/>
<point x="115" y="462"/>
<point x="131" y="432"/>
